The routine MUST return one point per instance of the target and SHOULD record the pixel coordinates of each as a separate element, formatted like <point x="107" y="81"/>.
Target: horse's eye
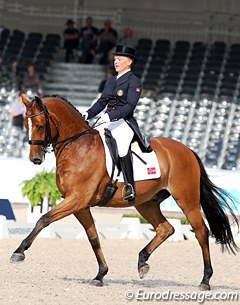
<point x="40" y="127"/>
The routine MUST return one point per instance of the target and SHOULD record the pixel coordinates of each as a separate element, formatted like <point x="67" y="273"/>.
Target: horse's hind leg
<point x="202" y="234"/>
<point x="85" y="218"/>
<point x="151" y="212"/>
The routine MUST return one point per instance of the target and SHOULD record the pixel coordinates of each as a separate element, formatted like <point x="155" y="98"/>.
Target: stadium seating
<point x="195" y="101"/>
<point x="196" y="98"/>
<point x="34" y="48"/>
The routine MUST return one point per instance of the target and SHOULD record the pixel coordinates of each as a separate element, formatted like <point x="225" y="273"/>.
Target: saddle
<point x="145" y="165"/>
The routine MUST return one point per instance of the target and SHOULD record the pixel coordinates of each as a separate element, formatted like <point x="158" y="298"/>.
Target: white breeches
<point x="123" y="134"/>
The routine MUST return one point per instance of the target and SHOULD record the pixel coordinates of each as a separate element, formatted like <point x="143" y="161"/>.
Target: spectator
<point x="127" y="39"/>
<point x="88" y="36"/>
<point x="71" y="40"/>
<point x="18" y="112"/>
<point x="107" y="40"/>
<point x="31" y="80"/>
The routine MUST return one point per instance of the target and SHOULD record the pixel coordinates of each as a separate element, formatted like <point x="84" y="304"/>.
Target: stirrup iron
<point x="129" y="196"/>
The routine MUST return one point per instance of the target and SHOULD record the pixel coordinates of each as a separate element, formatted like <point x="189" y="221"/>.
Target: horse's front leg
<point x="66" y="207"/>
<point x="85" y="218"/>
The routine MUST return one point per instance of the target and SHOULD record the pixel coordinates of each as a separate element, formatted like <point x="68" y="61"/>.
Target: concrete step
<point x="73" y="79"/>
<point x="69" y="87"/>
<point x="69" y="75"/>
<point x="76" y="82"/>
<point x="76" y="98"/>
<point x="72" y="93"/>
<point x="78" y="69"/>
<point x="77" y="66"/>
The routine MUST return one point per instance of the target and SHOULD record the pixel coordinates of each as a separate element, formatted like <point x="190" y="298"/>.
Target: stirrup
<point x="129" y="196"/>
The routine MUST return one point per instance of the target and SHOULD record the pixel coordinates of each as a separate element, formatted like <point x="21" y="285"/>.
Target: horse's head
<point x="41" y="127"/>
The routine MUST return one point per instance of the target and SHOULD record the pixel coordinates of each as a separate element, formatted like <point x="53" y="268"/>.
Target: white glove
<point x="104" y="119"/>
<point x="85" y="115"/>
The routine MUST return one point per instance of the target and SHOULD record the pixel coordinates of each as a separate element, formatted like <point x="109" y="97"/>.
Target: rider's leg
<point x="127" y="170"/>
<point x="123" y="135"/>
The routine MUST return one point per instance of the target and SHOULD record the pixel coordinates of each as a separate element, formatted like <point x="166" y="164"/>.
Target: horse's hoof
<point x="143" y="271"/>
<point x="204" y="287"/>
<point x="96" y="283"/>
<point x="17" y="257"/>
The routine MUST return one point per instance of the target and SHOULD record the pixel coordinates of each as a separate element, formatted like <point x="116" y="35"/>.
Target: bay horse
<point x="81" y="177"/>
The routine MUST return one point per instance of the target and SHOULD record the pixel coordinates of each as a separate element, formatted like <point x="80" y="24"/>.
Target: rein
<point x="74" y="137"/>
<point x="58" y="145"/>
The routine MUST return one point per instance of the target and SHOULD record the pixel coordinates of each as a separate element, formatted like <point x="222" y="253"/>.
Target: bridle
<point x="46" y="143"/>
<point x="48" y="135"/>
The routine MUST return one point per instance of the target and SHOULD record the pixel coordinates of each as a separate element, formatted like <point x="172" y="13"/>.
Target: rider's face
<point x="122" y="63"/>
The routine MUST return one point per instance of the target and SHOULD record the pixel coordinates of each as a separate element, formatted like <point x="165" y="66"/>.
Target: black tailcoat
<point x="121" y="96"/>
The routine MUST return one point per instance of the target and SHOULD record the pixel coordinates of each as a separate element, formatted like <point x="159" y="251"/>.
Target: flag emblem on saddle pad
<point x="151" y="170"/>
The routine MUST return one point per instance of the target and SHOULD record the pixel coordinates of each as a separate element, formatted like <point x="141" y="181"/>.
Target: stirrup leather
<point x="131" y="194"/>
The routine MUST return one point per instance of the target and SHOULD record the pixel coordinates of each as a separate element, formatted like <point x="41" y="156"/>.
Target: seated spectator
<point x="88" y="36"/>
<point x="71" y="40"/>
<point x="18" y="112"/>
<point x="107" y="40"/>
<point x="127" y="39"/>
<point x="31" y="80"/>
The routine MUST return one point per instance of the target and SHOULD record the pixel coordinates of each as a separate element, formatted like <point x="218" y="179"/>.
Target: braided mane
<point x="62" y="98"/>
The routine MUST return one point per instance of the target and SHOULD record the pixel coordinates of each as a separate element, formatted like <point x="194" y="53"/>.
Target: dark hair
<point x="30" y="64"/>
<point x="70" y="21"/>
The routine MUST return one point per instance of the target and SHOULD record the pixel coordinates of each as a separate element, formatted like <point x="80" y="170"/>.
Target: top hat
<point x="70" y="21"/>
<point x="125" y="51"/>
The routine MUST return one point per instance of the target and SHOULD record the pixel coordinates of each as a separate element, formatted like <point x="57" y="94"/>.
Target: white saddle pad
<point x="150" y="170"/>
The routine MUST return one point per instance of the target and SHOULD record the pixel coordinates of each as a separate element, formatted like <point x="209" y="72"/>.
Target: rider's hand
<point x="104" y="119"/>
<point x="85" y="115"/>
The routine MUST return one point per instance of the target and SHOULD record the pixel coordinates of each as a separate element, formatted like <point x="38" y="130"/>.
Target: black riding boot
<point x="127" y="170"/>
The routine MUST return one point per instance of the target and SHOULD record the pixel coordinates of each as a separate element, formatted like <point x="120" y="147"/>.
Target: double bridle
<point x="48" y="135"/>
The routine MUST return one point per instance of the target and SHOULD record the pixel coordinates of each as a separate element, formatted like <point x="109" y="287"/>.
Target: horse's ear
<point x="38" y="100"/>
<point x="24" y="100"/>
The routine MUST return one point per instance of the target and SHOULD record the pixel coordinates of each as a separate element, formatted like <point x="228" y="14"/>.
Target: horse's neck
<point x="69" y="122"/>
<point x="72" y="128"/>
<point x="87" y="146"/>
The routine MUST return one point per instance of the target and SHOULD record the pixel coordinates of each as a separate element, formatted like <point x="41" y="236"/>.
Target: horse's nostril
<point x="37" y="161"/>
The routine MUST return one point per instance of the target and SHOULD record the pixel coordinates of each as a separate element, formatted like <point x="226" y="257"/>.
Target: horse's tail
<point x="213" y="201"/>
